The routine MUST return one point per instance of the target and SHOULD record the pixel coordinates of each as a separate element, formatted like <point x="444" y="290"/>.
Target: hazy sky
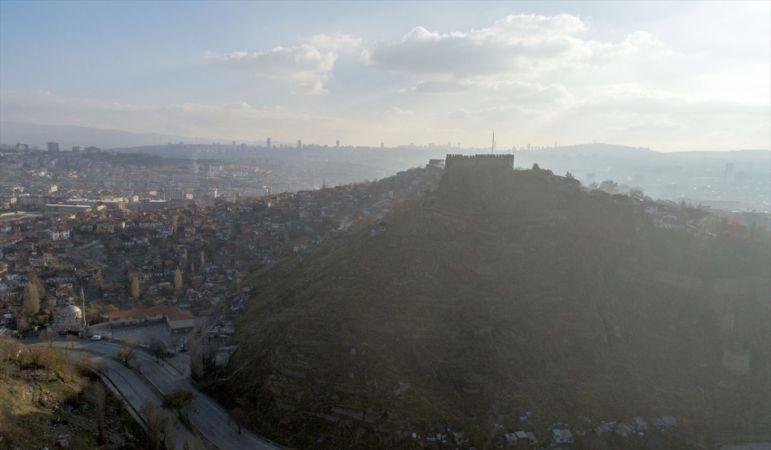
<point x="669" y="76"/>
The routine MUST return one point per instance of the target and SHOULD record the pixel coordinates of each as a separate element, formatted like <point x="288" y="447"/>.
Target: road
<point x="136" y="392"/>
<point x="208" y="417"/>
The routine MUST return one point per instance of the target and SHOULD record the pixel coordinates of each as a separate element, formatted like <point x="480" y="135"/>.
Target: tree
<point x="33" y="278"/>
<point x="126" y="353"/>
<point x="169" y="433"/>
<point x="31" y="299"/>
<point x="158" y="348"/>
<point x="49" y="336"/>
<point x="193" y="443"/>
<point x="177" y="280"/>
<point x="181" y="402"/>
<point x="195" y="350"/>
<point x="134" y="288"/>
<point x="98" y="398"/>
<point x="609" y="186"/>
<point x="71" y="338"/>
<point x="156" y="424"/>
<point x="99" y="280"/>
<point x="240" y="417"/>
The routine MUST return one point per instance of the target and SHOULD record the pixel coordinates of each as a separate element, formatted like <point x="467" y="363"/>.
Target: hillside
<point x="504" y="292"/>
<point x="47" y="401"/>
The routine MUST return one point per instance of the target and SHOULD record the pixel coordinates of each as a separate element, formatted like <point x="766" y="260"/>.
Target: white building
<point x="59" y="235"/>
<point x="69" y="320"/>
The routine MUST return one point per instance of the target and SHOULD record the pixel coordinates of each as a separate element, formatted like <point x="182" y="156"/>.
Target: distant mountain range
<point x="68" y="136"/>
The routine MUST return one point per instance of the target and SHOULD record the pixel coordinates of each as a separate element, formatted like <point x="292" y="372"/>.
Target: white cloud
<point x="440" y="86"/>
<point x="305" y="65"/>
<point x="516" y="44"/>
<point x="308" y="66"/>
<point x="535" y="77"/>
<point x="336" y="42"/>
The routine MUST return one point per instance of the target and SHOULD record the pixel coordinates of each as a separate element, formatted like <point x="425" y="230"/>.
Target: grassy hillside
<point x="501" y="293"/>
<point x="47" y="400"/>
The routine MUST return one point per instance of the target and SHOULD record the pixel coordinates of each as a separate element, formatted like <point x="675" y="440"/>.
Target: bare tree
<point x="240" y="417"/>
<point x="99" y="280"/>
<point x="31" y="299"/>
<point x="193" y="443"/>
<point x="156" y="424"/>
<point x="177" y="280"/>
<point x="33" y="278"/>
<point x="126" y="352"/>
<point x="98" y="397"/>
<point x="71" y="338"/>
<point x="169" y="433"/>
<point x="134" y="288"/>
<point x="50" y="336"/>
<point x="181" y="402"/>
<point x="196" y="352"/>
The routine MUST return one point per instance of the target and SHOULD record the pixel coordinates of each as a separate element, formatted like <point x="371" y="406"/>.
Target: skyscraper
<point x="337" y="144"/>
<point x="268" y="143"/>
<point x="299" y="143"/>
<point x="53" y="146"/>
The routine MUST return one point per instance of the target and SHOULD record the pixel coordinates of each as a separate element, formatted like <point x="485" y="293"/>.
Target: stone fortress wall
<point x="496" y="162"/>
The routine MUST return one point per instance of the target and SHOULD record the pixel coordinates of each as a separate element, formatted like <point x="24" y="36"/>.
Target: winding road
<point x="159" y="378"/>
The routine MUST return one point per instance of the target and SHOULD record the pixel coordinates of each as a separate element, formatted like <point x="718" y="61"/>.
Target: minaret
<point x="83" y="306"/>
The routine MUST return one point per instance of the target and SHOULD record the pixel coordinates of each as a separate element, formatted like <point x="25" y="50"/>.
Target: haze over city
<point x="668" y="76"/>
<point x="409" y="225"/>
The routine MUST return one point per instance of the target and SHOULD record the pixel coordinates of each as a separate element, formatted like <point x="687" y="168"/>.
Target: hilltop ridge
<point x="504" y="292"/>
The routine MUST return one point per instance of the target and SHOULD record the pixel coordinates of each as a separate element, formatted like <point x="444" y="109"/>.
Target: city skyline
<point x="634" y="74"/>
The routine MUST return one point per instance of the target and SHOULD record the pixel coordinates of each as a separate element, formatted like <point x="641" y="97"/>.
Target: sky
<point x="663" y="75"/>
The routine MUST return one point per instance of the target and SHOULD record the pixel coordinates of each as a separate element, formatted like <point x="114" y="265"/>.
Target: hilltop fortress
<point x="491" y="162"/>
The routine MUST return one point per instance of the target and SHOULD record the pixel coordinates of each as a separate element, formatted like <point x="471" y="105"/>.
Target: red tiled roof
<point x="172" y="312"/>
<point x="180" y="314"/>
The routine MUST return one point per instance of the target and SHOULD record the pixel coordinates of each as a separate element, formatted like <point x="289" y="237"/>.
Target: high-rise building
<point x="337" y="144"/>
<point x="268" y="143"/>
<point x="53" y="146"/>
<point x="299" y="143"/>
